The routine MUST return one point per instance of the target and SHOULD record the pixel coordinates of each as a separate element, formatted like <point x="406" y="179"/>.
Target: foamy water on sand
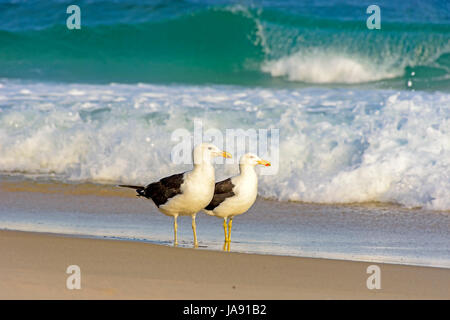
<point x="336" y="145"/>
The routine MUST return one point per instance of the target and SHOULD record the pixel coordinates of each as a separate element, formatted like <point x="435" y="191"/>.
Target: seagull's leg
<point x="225" y="232"/>
<point x="194" y="229"/>
<point x="175" y="227"/>
<point x="230" y="223"/>
<point x="225" y="229"/>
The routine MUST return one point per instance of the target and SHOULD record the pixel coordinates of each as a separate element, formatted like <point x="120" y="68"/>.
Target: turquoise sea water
<point x="270" y="43"/>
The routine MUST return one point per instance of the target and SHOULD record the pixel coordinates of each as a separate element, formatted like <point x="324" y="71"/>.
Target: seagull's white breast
<point x="245" y="192"/>
<point x="197" y="191"/>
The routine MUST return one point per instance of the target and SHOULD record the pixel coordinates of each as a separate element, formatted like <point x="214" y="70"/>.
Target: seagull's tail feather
<point x="139" y="189"/>
<point x="131" y="187"/>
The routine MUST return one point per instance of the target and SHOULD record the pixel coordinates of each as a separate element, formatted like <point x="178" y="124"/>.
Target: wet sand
<point x="33" y="266"/>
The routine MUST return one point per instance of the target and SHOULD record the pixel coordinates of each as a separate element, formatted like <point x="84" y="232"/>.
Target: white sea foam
<point x="336" y="146"/>
<point x="320" y="67"/>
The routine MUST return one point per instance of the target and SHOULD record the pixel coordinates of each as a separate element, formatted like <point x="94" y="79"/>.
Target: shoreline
<point x="188" y="245"/>
<point x="270" y="228"/>
<point x="12" y="183"/>
<point x="33" y="266"/>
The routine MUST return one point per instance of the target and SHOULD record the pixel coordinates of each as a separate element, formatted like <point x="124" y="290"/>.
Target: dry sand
<point x="33" y="266"/>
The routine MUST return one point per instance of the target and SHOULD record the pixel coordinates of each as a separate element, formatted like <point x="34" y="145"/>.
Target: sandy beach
<point x="33" y="266"/>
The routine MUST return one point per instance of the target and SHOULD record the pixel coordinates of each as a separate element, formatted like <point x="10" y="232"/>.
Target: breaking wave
<point x="336" y="145"/>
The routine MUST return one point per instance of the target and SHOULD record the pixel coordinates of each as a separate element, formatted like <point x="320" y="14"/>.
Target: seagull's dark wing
<point x="160" y="192"/>
<point x="222" y="191"/>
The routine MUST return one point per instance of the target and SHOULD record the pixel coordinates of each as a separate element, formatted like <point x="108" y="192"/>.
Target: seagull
<point x="235" y="195"/>
<point x="186" y="193"/>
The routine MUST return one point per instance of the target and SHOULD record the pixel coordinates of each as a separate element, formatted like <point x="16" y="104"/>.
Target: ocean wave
<point x="336" y="146"/>
<point x="246" y="45"/>
<point x="318" y="67"/>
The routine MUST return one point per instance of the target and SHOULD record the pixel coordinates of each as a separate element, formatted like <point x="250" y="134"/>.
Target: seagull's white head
<point x="250" y="159"/>
<point x="206" y="152"/>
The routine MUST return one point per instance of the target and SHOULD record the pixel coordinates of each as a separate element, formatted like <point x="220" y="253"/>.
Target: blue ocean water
<point x="269" y="43"/>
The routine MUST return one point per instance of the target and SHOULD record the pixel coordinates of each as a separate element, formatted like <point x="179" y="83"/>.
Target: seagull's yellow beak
<point x="264" y="163"/>
<point x="226" y="154"/>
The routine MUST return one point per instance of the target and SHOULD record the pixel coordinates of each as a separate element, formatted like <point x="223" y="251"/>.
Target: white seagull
<point x="186" y="193"/>
<point x="236" y="195"/>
